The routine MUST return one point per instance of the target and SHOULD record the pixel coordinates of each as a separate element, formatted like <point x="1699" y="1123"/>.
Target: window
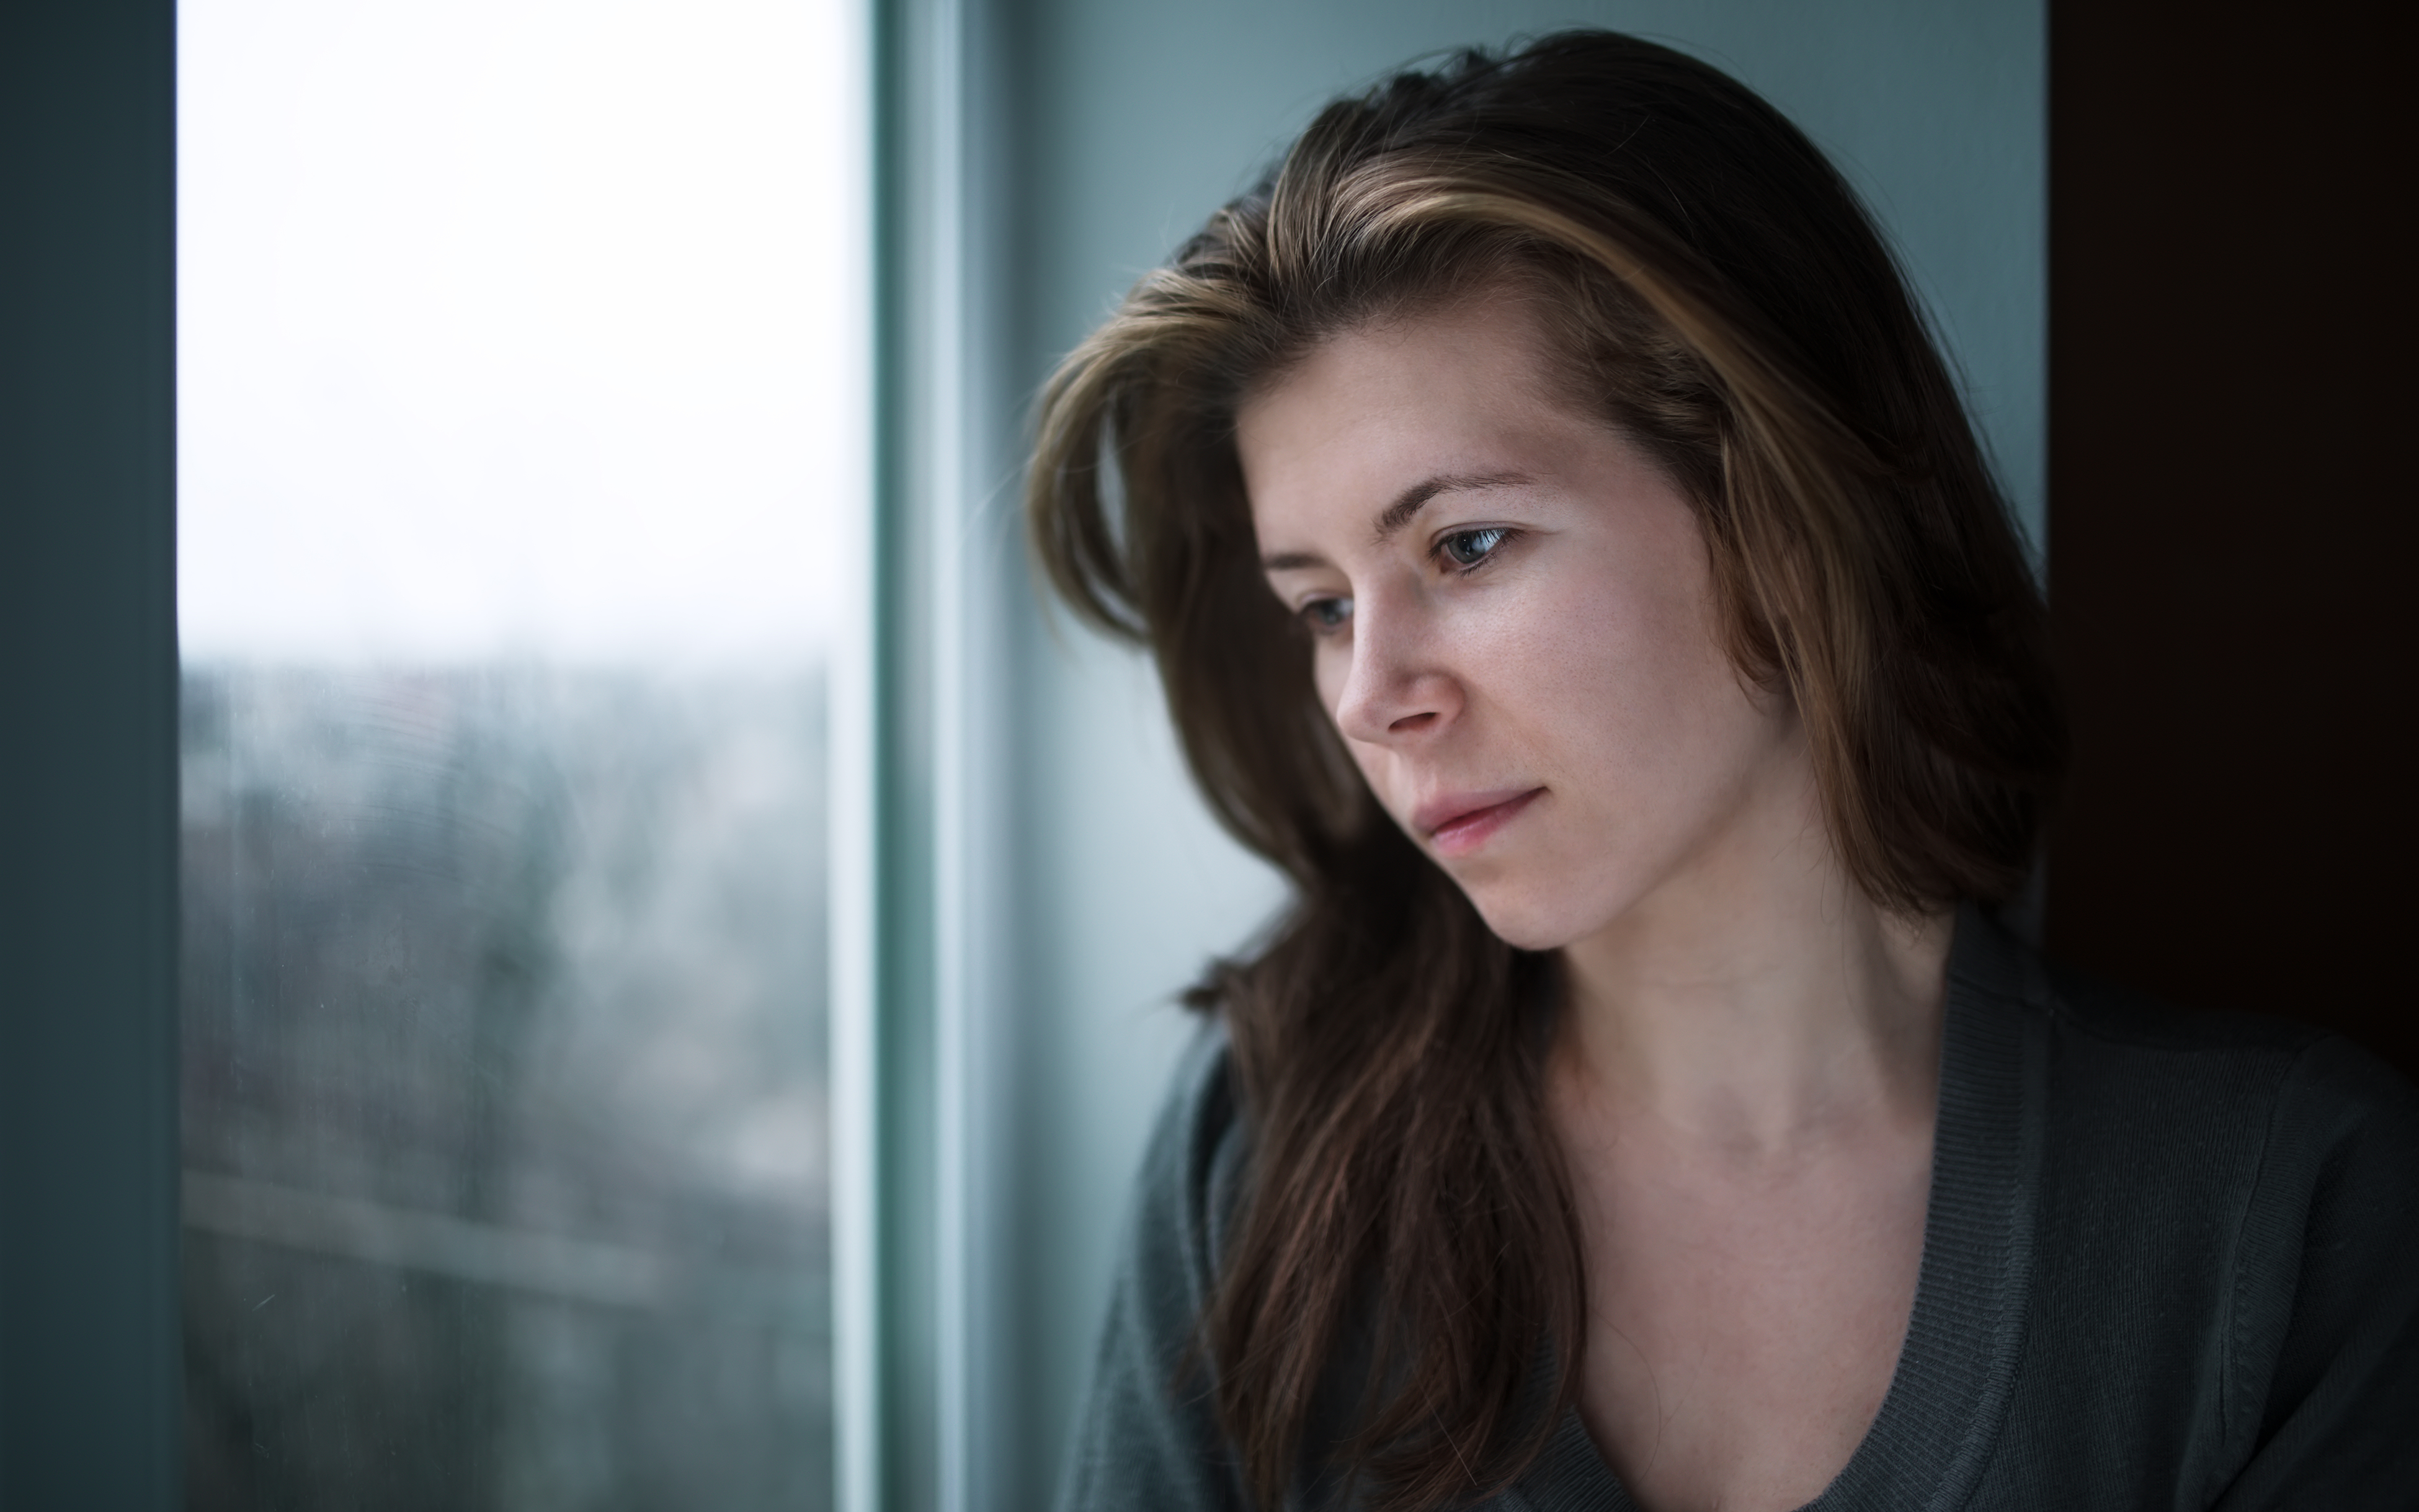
<point x="521" y="406"/>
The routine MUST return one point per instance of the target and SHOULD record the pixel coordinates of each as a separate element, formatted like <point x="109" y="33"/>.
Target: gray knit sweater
<point x="2171" y="1260"/>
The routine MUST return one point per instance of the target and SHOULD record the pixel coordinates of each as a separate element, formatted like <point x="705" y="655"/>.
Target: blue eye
<point x="1327" y="615"/>
<point x="1468" y="548"/>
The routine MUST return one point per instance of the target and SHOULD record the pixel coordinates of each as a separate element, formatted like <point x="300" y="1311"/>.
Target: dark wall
<point x="87" y="756"/>
<point x="2232" y="504"/>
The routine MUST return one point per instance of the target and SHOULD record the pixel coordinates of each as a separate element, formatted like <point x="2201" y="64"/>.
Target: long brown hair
<point x="1718" y="293"/>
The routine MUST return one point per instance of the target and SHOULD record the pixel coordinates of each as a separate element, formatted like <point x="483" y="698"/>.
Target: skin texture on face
<point x="1513" y="617"/>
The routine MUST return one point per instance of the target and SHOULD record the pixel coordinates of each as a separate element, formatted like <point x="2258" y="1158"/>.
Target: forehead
<point x="1363" y="415"/>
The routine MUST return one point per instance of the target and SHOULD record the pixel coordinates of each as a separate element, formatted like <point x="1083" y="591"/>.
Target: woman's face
<point x="1513" y="620"/>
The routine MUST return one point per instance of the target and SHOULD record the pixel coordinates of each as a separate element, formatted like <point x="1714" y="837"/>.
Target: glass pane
<point x="519" y="401"/>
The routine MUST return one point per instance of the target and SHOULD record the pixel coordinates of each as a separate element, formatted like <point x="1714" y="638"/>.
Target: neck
<point x="1755" y="1001"/>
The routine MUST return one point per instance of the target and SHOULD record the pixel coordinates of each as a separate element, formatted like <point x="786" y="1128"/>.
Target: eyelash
<point x="1497" y="535"/>
<point x="1309" y="613"/>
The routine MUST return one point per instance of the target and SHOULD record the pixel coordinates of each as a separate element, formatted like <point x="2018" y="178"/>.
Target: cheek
<point x="1616" y="674"/>
<point x="1566" y="655"/>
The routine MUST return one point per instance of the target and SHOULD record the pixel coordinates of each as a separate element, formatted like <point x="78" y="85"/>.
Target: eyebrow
<point x="1404" y="508"/>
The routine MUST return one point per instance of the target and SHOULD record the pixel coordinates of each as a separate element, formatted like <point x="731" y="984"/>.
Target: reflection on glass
<point x="517" y="409"/>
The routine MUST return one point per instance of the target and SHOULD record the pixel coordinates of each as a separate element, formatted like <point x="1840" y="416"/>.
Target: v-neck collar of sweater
<point x="1928" y="1444"/>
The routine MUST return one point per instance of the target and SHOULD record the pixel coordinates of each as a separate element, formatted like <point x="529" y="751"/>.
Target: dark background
<point x="2231" y="504"/>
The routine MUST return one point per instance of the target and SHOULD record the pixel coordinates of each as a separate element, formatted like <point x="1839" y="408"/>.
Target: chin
<point x="1528" y="917"/>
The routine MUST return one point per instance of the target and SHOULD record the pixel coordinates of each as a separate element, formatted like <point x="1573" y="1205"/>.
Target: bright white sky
<point x="518" y="328"/>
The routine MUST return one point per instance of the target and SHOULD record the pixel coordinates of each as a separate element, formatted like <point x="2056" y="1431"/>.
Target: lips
<point x="1457" y="824"/>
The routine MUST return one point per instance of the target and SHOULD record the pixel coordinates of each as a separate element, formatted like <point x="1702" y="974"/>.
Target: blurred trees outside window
<point x="519" y="401"/>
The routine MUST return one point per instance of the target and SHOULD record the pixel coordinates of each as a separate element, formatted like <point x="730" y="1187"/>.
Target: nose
<point x="1394" y="691"/>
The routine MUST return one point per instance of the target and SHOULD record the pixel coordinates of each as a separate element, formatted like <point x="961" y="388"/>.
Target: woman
<point x="1566" y="558"/>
